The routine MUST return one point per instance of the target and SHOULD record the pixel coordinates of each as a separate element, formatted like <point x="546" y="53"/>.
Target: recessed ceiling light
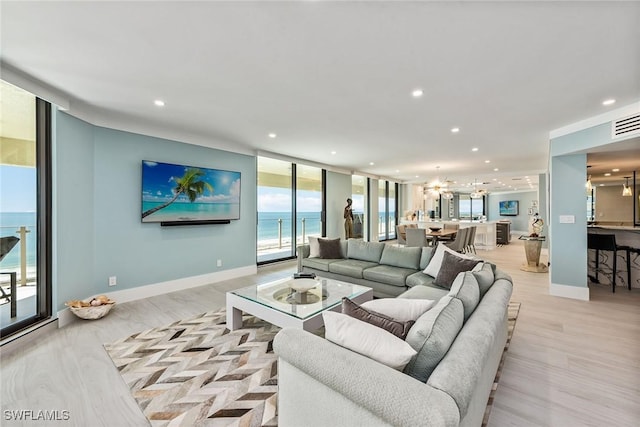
<point x="609" y="102"/>
<point x="474" y="149"/>
<point x="601" y="185"/>
<point x="333" y="152"/>
<point x="607" y="174"/>
<point x="496" y="169"/>
<point x="495" y="179"/>
<point x="417" y="93"/>
<point x="487" y="161"/>
<point x="159" y="103"/>
<point x="615" y="170"/>
<point x="455" y="130"/>
<point x="272" y="135"/>
<point x="397" y="171"/>
<point x="417" y="176"/>
<point x="371" y="163"/>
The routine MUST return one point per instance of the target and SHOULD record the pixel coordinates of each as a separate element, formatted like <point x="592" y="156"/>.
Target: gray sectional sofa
<point x="389" y="270"/>
<point x="459" y="344"/>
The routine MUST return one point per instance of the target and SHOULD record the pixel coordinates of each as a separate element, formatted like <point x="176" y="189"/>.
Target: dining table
<point x="440" y="233"/>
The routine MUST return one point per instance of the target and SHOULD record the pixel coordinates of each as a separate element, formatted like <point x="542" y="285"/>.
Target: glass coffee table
<point x="282" y="305"/>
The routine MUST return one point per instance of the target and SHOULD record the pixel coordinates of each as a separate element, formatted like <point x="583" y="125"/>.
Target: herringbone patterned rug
<point x="196" y="373"/>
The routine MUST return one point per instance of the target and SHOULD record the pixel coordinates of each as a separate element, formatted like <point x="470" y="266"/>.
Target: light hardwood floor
<point x="571" y="363"/>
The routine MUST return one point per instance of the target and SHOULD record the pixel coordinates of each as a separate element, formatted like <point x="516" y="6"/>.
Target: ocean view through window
<point x="289" y="207"/>
<point x="25" y="160"/>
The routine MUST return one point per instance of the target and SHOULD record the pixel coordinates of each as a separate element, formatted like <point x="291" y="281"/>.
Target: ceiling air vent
<point x="627" y="126"/>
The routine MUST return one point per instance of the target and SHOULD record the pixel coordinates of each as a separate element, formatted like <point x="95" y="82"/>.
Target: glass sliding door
<point x="25" y="209"/>
<point x="382" y="210"/>
<point x="290" y="204"/>
<point x="308" y="203"/>
<point x="275" y="209"/>
<point x="387" y="208"/>
<point x="391" y="216"/>
<point x="359" y="208"/>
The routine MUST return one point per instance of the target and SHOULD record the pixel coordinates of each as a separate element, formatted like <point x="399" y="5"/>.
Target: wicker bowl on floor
<point x="93" y="312"/>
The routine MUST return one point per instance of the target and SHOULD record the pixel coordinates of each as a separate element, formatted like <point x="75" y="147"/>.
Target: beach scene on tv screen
<point x="509" y="207"/>
<point x="187" y="193"/>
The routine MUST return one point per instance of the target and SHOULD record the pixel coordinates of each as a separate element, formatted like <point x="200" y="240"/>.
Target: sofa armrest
<point x="303" y="252"/>
<point x="390" y="395"/>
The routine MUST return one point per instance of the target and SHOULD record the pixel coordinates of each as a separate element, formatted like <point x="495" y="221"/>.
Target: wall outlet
<point x="113" y="281"/>
<point x="219" y="263"/>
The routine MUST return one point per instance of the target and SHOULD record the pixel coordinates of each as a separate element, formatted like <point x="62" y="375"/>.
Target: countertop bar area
<point x="625" y="236"/>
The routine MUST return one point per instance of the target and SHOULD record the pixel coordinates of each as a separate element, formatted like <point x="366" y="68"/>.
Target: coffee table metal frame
<point x="257" y="300"/>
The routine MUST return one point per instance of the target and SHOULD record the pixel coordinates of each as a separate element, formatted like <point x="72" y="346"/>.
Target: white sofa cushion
<point x="366" y="339"/>
<point x="399" y="309"/>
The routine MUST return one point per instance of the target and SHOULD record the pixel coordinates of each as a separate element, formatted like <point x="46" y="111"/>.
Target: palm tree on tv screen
<point x="189" y="184"/>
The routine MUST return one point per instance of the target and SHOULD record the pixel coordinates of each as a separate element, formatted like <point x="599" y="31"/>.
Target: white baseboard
<point x="65" y="316"/>
<point x="566" y="291"/>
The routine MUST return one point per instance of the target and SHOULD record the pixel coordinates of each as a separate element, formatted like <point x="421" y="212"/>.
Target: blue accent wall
<point x="568" y="174"/>
<point x="73" y="210"/>
<point x="519" y="222"/>
<point x="568" y="197"/>
<point x="98" y="199"/>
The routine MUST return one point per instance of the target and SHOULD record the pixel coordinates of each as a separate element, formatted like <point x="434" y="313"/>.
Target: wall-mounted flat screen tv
<point x="509" y="208"/>
<point x="188" y="194"/>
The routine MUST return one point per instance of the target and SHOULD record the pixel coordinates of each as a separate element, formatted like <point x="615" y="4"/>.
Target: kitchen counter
<point x="485" y="231"/>
<point x="625" y="236"/>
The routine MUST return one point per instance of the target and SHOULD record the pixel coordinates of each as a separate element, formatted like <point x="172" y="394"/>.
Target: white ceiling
<point x="338" y="76"/>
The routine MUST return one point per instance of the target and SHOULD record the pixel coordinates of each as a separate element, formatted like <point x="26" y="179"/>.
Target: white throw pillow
<point x="314" y="247"/>
<point x="436" y="260"/>
<point x="367" y="340"/>
<point x="400" y="309"/>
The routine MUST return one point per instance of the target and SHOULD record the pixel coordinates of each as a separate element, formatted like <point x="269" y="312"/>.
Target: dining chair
<point x="416" y="237"/>
<point x="471" y="237"/>
<point x="401" y="235"/>
<point x="460" y="240"/>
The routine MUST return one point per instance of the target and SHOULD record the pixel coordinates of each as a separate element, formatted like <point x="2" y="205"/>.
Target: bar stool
<point x="607" y="242"/>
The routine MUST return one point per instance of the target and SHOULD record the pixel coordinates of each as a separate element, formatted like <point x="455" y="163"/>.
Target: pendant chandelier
<point x="438" y="189"/>
<point x="477" y="194"/>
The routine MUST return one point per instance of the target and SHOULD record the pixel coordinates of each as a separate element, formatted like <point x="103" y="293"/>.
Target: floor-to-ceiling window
<point x="308" y="203"/>
<point x="287" y="191"/>
<point x="470" y="208"/>
<point x="25" y="209"/>
<point x="387" y="208"/>
<point x="383" y="208"/>
<point x="391" y="211"/>
<point x="360" y="199"/>
<point x="275" y="209"/>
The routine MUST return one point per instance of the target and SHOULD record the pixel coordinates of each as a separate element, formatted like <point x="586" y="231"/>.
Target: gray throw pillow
<point x="329" y="248"/>
<point x="397" y="328"/>
<point x="451" y="266"/>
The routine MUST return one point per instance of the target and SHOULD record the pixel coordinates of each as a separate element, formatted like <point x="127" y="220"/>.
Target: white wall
<point x="611" y="206"/>
<point x="338" y="191"/>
